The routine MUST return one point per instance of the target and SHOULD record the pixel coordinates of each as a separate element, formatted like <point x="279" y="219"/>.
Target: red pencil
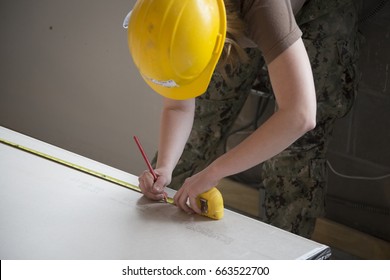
<point x="145" y="158"/>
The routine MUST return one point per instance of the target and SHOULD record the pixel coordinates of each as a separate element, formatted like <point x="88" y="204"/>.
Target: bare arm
<point x="292" y="81"/>
<point x="176" y="124"/>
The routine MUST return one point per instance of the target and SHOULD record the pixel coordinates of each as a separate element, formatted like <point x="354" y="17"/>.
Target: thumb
<point x="159" y="184"/>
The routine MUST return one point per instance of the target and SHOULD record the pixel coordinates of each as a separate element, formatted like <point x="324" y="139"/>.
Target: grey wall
<point x="66" y="77"/>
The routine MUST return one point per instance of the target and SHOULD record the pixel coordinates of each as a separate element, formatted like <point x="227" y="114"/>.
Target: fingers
<point x="186" y="202"/>
<point x="152" y="190"/>
<point x="185" y="198"/>
<point x="181" y="202"/>
<point x="194" y="205"/>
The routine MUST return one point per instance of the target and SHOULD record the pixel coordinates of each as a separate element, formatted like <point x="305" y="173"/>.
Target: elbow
<point x="309" y="125"/>
<point x="304" y="120"/>
<point x="308" y="122"/>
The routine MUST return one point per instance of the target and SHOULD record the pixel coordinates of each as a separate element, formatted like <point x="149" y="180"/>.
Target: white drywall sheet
<point x="50" y="211"/>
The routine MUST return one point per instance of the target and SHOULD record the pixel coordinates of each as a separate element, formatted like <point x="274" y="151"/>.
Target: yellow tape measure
<point x="77" y="167"/>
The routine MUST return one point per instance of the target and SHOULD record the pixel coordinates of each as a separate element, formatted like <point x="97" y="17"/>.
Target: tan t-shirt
<point x="271" y="24"/>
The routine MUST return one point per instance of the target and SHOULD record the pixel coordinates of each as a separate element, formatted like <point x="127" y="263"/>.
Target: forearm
<point x="275" y="135"/>
<point x="176" y="124"/>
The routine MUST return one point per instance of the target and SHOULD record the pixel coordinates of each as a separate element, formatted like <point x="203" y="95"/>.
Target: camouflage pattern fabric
<point x="295" y="180"/>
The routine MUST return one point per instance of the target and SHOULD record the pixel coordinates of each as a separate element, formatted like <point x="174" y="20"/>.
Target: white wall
<point x="67" y="78"/>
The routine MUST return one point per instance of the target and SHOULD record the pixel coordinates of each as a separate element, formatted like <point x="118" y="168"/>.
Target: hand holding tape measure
<point x="210" y="202"/>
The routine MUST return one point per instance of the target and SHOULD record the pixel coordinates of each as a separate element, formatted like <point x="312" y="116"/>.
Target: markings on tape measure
<point x="76" y="167"/>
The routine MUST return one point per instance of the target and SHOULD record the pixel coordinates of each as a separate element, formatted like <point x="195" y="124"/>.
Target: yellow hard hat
<point x="176" y="44"/>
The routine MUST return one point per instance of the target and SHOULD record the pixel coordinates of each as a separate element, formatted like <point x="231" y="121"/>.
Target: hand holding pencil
<point x="149" y="183"/>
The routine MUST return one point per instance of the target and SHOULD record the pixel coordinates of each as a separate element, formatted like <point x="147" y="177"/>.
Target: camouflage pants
<point x="295" y="180"/>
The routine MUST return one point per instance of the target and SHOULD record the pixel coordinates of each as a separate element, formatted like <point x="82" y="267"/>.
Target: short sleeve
<point x="272" y="26"/>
